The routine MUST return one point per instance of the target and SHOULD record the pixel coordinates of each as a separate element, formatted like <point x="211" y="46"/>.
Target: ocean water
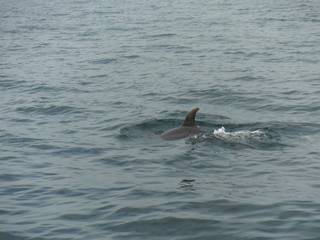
<point x="87" y="87"/>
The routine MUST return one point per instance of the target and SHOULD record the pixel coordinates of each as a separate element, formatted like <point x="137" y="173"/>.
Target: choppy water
<point x="87" y="87"/>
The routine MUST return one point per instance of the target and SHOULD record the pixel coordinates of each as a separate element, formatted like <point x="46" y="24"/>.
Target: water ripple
<point x="49" y="110"/>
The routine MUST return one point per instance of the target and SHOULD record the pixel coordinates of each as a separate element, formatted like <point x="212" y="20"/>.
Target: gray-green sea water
<point x="87" y="87"/>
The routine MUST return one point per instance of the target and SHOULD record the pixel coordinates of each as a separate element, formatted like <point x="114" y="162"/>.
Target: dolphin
<point x="187" y="129"/>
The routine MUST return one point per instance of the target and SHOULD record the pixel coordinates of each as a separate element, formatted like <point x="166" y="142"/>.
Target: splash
<point x="242" y="136"/>
<point x="222" y="132"/>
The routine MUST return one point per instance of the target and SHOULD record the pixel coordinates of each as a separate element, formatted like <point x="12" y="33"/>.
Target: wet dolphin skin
<point x="187" y="129"/>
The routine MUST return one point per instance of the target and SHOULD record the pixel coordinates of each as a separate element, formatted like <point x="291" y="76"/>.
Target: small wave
<point x="8" y="177"/>
<point x="103" y="61"/>
<point x="79" y="151"/>
<point x="99" y="76"/>
<point x="187" y="184"/>
<point x="3" y="76"/>
<point x="32" y="27"/>
<point x="131" y="56"/>
<point x="43" y="88"/>
<point x="163" y="35"/>
<point x="169" y="47"/>
<point x="15" y="139"/>
<point x="74" y="217"/>
<point x="50" y="110"/>
<point x="8" y="84"/>
<point x="42" y="146"/>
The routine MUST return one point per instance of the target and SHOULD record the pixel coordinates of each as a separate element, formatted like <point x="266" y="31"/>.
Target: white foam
<point x="238" y="136"/>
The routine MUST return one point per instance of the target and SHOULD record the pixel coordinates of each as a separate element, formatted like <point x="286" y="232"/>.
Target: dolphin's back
<point x="179" y="133"/>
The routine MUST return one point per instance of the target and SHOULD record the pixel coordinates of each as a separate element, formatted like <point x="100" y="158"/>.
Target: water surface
<point x="87" y="87"/>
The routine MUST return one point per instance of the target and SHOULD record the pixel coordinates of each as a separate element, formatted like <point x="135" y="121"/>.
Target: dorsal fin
<point x="190" y="118"/>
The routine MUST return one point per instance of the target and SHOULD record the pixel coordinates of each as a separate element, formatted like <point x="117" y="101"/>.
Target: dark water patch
<point x="16" y="189"/>
<point x="131" y="56"/>
<point x="103" y="76"/>
<point x="119" y="160"/>
<point x="218" y="207"/>
<point x="167" y="226"/>
<point x="113" y="127"/>
<point x="104" y="61"/>
<point x="11" y="84"/>
<point x="67" y="192"/>
<point x="76" y="217"/>
<point x="169" y="47"/>
<point x="87" y="34"/>
<point x="49" y="110"/>
<point x="123" y="29"/>
<point x="17" y="212"/>
<point x="78" y="151"/>
<point x="85" y="83"/>
<point x="12" y="139"/>
<point x="294" y="214"/>
<point x="65" y="231"/>
<point x="105" y="209"/>
<point x="235" y="52"/>
<point x="99" y="76"/>
<point x="69" y="131"/>
<point x="314" y="153"/>
<point x="80" y="90"/>
<point x="36" y="193"/>
<point x="248" y="78"/>
<point x="276" y="19"/>
<point x="152" y="94"/>
<point x="313" y="20"/>
<point x="9" y="177"/>
<point x="187" y="185"/>
<point x="42" y="146"/>
<point x="4" y="212"/>
<point x="44" y="88"/>
<point x="10" y="236"/>
<point x="163" y="35"/>
<point x="187" y="181"/>
<point x="17" y="48"/>
<point x="41" y="45"/>
<point x="291" y="92"/>
<point x="132" y="212"/>
<point x="22" y="120"/>
<point x="107" y="12"/>
<point x="145" y="193"/>
<point x="186" y="64"/>
<point x="7" y="158"/>
<point x="105" y="191"/>
<point x="3" y="76"/>
<point x="60" y="14"/>
<point x="44" y="165"/>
